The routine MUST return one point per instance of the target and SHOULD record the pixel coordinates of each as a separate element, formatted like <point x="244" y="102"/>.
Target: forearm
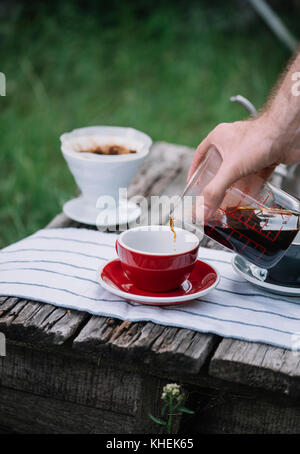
<point x="281" y="116"/>
<point x="257" y="145"/>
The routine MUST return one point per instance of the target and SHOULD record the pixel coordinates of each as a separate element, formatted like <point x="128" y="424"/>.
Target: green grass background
<point x="167" y="69"/>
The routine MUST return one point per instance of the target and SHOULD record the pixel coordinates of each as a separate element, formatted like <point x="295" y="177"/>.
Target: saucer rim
<point x="273" y="288"/>
<point x="155" y="299"/>
<point x="88" y="222"/>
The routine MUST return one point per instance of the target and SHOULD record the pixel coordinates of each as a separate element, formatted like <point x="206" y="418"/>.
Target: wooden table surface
<point x="193" y="358"/>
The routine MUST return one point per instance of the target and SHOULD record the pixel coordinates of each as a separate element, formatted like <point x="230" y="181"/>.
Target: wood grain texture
<point x="63" y="377"/>
<point x="166" y="164"/>
<point x="163" y="164"/>
<point x="114" y="400"/>
<point x="217" y="412"/>
<point x="61" y="221"/>
<point x="32" y="322"/>
<point x="146" y="343"/>
<point x="257" y="365"/>
<point x="32" y="414"/>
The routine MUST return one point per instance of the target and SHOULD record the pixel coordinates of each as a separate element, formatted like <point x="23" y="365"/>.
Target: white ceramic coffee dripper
<point x="102" y="176"/>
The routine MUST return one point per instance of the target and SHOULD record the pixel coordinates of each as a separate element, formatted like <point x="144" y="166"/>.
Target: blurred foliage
<point x="168" y="69"/>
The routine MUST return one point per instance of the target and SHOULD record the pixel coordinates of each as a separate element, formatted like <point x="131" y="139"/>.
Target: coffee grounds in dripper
<point x="108" y="150"/>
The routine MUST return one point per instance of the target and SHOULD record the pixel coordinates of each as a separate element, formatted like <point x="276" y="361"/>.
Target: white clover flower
<point x="171" y="389"/>
<point x="173" y="396"/>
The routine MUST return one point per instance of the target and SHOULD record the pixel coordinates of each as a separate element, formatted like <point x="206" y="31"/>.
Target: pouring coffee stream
<point x="171" y="221"/>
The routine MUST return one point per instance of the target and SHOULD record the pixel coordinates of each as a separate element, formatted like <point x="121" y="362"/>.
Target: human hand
<point x="246" y="148"/>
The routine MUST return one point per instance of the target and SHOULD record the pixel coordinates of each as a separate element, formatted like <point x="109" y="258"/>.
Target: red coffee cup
<point x="153" y="261"/>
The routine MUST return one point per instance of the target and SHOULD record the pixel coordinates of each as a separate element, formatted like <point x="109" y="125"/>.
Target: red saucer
<point x="202" y="279"/>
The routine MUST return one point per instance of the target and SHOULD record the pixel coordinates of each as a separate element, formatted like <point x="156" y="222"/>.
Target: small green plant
<point x="173" y="398"/>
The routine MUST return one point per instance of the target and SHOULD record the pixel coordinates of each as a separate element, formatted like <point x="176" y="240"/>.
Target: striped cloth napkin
<point x="58" y="266"/>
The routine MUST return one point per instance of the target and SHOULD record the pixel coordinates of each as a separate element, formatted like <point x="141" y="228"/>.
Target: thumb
<point x="214" y="192"/>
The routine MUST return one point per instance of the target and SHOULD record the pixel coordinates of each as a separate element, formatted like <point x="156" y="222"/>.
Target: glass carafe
<point x="256" y="219"/>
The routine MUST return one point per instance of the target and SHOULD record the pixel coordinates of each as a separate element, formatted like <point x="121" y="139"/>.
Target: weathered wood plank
<point x="146" y="343"/>
<point x="60" y="221"/>
<point x="9" y="310"/>
<point x="7" y="303"/>
<point x="217" y="412"/>
<point x="183" y="348"/>
<point x="119" y="399"/>
<point x="163" y="163"/>
<point x="61" y="376"/>
<point x="31" y="414"/>
<point x="3" y="299"/>
<point x="177" y="184"/>
<point x="179" y="179"/>
<point x="4" y="430"/>
<point x="38" y="322"/>
<point x="257" y="365"/>
<point x="161" y="171"/>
